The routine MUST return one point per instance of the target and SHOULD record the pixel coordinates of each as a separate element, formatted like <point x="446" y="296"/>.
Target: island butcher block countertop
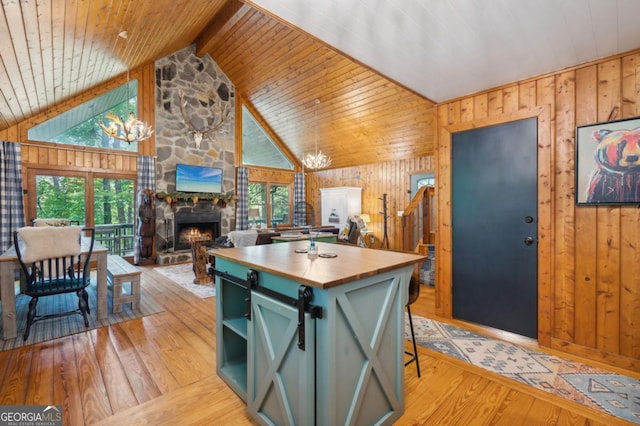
<point x="351" y="263"/>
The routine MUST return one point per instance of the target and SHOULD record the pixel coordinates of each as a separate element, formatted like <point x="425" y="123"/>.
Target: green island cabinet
<point x="307" y="341"/>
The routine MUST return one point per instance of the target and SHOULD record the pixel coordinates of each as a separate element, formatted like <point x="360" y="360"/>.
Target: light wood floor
<point x="161" y="370"/>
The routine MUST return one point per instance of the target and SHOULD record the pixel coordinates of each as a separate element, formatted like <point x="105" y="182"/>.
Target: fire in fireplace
<point x="189" y="223"/>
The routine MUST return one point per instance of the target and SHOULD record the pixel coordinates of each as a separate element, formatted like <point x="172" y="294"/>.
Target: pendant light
<point x="317" y="160"/>
<point x="129" y="130"/>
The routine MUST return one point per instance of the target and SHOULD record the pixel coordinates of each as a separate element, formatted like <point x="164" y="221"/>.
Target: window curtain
<point x="299" y="204"/>
<point x="11" y="205"/>
<point x="145" y="219"/>
<point x="146" y="173"/>
<point x="242" y="208"/>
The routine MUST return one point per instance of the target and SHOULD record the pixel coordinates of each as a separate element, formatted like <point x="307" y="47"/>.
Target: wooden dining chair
<point x="51" y="260"/>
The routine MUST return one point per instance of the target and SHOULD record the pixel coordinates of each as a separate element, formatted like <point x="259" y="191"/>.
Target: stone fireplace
<point x="187" y="218"/>
<point x="188" y="223"/>
<point x="196" y="77"/>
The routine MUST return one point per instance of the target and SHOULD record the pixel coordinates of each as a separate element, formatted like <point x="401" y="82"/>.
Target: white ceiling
<point x="444" y="49"/>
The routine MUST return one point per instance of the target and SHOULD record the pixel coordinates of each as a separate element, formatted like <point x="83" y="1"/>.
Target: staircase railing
<point x="418" y="228"/>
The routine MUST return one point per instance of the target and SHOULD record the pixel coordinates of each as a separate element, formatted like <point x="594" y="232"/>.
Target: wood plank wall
<point x="595" y="267"/>
<point x="391" y="178"/>
<point x="38" y="155"/>
<point x="596" y="264"/>
<point x="259" y="174"/>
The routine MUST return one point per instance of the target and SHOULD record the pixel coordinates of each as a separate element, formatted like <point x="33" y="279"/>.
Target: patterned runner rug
<point x="182" y="274"/>
<point x="64" y="326"/>
<point x="612" y="393"/>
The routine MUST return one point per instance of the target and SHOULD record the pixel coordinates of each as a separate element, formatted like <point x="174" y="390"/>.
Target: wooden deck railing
<point x="117" y="238"/>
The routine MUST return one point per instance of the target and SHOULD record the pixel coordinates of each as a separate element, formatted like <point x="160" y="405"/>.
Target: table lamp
<point x="366" y="219"/>
<point x="254" y="214"/>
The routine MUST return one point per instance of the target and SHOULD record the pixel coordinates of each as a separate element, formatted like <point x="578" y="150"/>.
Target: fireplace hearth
<point x="188" y="223"/>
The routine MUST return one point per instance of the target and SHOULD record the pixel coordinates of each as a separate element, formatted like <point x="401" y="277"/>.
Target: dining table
<point x="9" y="264"/>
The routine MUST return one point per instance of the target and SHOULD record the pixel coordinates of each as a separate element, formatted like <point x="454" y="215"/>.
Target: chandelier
<point x="317" y="160"/>
<point x="129" y="130"/>
<point x="132" y="130"/>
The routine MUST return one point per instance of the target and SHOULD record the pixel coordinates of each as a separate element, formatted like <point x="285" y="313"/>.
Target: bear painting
<point x="616" y="178"/>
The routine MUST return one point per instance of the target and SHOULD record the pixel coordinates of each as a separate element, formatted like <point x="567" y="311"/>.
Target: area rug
<point x="63" y="326"/>
<point x="182" y="274"/>
<point x="612" y="393"/>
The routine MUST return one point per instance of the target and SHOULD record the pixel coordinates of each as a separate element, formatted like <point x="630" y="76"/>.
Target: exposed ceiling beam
<point x="226" y="18"/>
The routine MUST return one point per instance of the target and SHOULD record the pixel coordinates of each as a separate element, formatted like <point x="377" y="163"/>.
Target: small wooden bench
<point x="120" y="272"/>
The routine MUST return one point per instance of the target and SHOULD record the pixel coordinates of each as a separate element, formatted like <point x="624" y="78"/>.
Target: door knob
<point x="528" y="241"/>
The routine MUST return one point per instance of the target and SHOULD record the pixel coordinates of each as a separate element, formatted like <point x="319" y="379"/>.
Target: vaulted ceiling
<point x="361" y="117"/>
<point x="389" y="60"/>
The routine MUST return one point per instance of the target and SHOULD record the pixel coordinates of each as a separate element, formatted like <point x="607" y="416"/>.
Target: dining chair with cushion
<point x="52" y="263"/>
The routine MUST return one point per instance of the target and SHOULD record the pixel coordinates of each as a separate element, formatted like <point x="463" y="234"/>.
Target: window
<point x="279" y="206"/>
<point x="79" y="125"/>
<point x="113" y="214"/>
<point x="60" y="197"/>
<point x="430" y="181"/>
<point x="269" y="204"/>
<point x="258" y="149"/>
<point x="105" y="202"/>
<point x="257" y="204"/>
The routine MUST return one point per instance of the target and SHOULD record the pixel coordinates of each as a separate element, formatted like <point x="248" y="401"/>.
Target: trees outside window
<point x="269" y="204"/>
<point x="105" y="202"/>
<point x="60" y="197"/>
<point x="280" y="204"/>
<point x="79" y="125"/>
<point x="84" y="193"/>
<point x="113" y="201"/>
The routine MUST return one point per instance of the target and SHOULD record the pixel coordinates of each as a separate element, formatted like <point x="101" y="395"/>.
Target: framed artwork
<point x="608" y="163"/>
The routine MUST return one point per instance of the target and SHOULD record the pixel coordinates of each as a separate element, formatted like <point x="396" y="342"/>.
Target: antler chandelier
<point x="132" y="130"/>
<point x="317" y="160"/>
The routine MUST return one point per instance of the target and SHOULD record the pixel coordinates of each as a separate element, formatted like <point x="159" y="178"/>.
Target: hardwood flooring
<point x="161" y="370"/>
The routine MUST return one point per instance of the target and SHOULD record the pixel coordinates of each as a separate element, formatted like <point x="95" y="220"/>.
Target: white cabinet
<point x="339" y="203"/>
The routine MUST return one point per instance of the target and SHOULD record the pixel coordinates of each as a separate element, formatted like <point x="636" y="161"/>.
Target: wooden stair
<point x="422" y="248"/>
<point x="418" y="224"/>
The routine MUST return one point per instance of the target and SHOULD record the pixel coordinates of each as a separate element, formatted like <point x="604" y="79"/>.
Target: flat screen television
<point x="198" y="179"/>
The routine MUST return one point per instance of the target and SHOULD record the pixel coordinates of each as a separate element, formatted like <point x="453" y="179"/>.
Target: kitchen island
<point x="313" y="340"/>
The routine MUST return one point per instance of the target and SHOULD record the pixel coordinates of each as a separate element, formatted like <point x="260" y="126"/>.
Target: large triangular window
<point x="258" y="149"/>
<point x="79" y="125"/>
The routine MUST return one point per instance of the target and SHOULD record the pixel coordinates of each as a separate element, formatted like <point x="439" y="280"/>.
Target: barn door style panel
<point x="361" y="375"/>
<point x="281" y="386"/>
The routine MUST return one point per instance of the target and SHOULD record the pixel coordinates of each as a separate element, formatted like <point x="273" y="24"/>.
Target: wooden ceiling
<point x="54" y="50"/>
<point x="361" y="118"/>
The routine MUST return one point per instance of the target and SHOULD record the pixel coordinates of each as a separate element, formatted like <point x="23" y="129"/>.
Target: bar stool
<point x="414" y="292"/>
